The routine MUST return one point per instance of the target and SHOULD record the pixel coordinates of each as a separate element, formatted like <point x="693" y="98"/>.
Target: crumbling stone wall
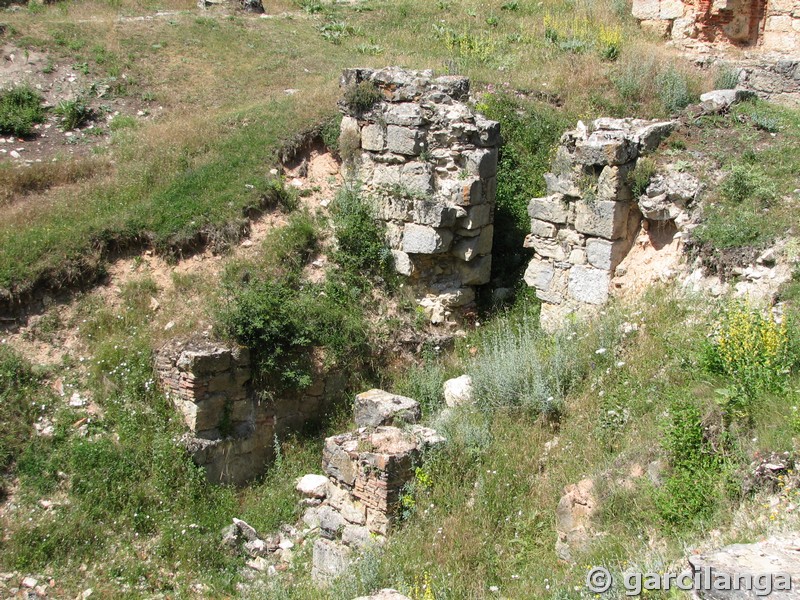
<point x="430" y="164"/>
<point x="355" y="503"/>
<point x="588" y="222"/>
<point x="231" y="427"/>
<point x="770" y="24"/>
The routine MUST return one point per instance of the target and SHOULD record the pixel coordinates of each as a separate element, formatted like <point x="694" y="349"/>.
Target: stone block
<point x="612" y="184"/>
<point x="476" y="272"/>
<point x="463" y="192"/>
<point x="554" y="209"/>
<point x="477" y="216"/>
<point x="329" y="560"/>
<point x="547" y="248"/>
<point x="331" y="522"/>
<point x="405" y="114"/>
<point x="433" y="214"/>
<point x="358" y="537"/>
<point x="561" y="184"/>
<point x="542" y="229"/>
<point x="470" y="248"/>
<point x="603" y="219"/>
<point x="605" y="148"/>
<point x="603" y="254"/>
<point x="458" y="391"/>
<point x="403" y="140"/>
<point x="539" y="274"/>
<point x="417" y="177"/>
<point x="488" y="131"/>
<point x="589" y="285"/>
<point x="420" y="239"/>
<point x="313" y="486"/>
<point x="377" y="521"/>
<point x="402" y="263"/>
<point x="481" y="162"/>
<point x="646" y="9"/>
<point x="377" y="407"/>
<point x="659" y="27"/>
<point x="337" y="462"/>
<point x="373" y="137"/>
<point x="384" y="175"/>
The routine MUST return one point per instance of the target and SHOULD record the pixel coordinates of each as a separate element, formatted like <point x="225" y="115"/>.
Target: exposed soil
<point x="655" y="257"/>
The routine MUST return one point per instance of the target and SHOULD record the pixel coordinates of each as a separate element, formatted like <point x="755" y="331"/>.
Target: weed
<point x="73" y="113"/>
<point x="362" y="96"/>
<point x="673" y="90"/>
<point x="727" y="78"/>
<point x="641" y="175"/>
<point x="361" y="247"/>
<point x="20" y="109"/>
<point x="748" y="183"/>
<point x="513" y="5"/>
<point x="336" y="31"/>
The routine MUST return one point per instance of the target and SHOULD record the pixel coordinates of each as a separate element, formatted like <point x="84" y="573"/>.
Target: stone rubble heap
<point x="231" y="431"/>
<point x="430" y="164"/>
<point x="588" y="222"/>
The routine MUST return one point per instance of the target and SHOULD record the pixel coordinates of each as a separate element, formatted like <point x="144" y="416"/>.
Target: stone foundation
<point x="231" y="429"/>
<point x="429" y="162"/>
<point x="587" y="224"/>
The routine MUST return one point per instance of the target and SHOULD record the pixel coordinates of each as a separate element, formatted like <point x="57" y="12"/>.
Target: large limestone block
<point x="603" y="254"/>
<point x="542" y="229"/>
<point x="553" y="209"/>
<point x="602" y="218"/>
<point x="377" y="407"/>
<point x="329" y="560"/>
<point x="337" y="463"/>
<point x="462" y="192"/>
<point x="612" y="185"/>
<point x="477" y="217"/>
<point x="605" y="148"/>
<point x="402" y="263"/>
<point x="405" y="114"/>
<point x="476" y="272"/>
<point x="384" y="175"/>
<point x="417" y="177"/>
<point x="481" y="162"/>
<point x="767" y="561"/>
<point x="373" y="138"/>
<point x="404" y="140"/>
<point x="589" y="285"/>
<point x="433" y="214"/>
<point x="313" y="486"/>
<point x="539" y="274"/>
<point x="488" y="131"/>
<point x="646" y="9"/>
<point x="547" y="248"/>
<point x="470" y="248"/>
<point x="420" y="239"/>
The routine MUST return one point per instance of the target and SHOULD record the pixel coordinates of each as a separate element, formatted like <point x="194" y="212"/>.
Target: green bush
<point x="361" y="246"/>
<point x="748" y="183"/>
<point x="673" y="90"/>
<point x="727" y="79"/>
<point x="73" y="113"/>
<point x="640" y="177"/>
<point x="20" y="109"/>
<point x="290" y="247"/>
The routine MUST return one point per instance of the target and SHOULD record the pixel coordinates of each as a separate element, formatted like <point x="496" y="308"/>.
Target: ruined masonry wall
<point x="231" y="430"/>
<point x="588" y="222"/>
<point x="430" y="163"/>
<point x="769" y="24"/>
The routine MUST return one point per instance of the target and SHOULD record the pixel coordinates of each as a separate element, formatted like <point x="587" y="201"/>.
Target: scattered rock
<point x="313" y="486"/>
<point x="574" y="518"/>
<point x="458" y="391"/>
<point x="386" y="594"/>
<point x="376" y="407"/>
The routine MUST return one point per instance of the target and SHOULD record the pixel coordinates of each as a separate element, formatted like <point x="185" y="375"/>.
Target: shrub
<point x="673" y="90"/>
<point x="73" y="113"/>
<point x="20" y="109"/>
<point x="727" y="79"/>
<point x="291" y="246"/>
<point x="362" y="96"/>
<point x="361" y="247"/>
<point x="748" y="182"/>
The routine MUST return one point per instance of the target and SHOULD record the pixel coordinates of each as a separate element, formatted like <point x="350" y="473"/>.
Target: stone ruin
<point x="589" y="221"/>
<point x="768" y="24"/>
<point x="353" y="506"/>
<point x="429" y="162"/>
<point x="232" y="428"/>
